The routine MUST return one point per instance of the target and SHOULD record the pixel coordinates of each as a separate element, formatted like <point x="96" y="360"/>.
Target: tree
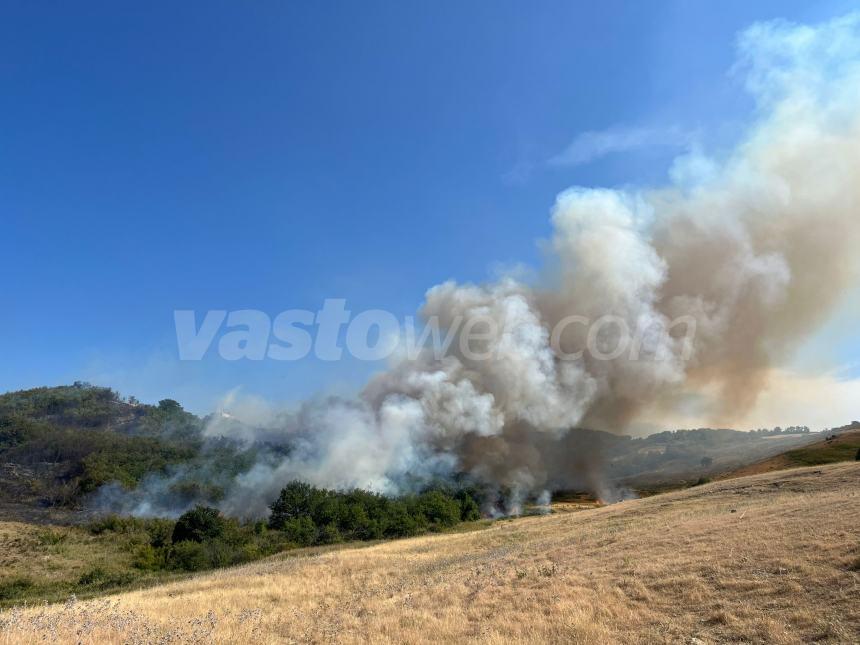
<point x="300" y="530"/>
<point x="199" y="524"/>
<point x="169" y="406"/>
<point x="469" y="508"/>
<point x="329" y="534"/>
<point x="707" y="462"/>
<point x="439" y="509"/>
<point x="189" y="556"/>
<point x="400" y="522"/>
<point x="297" y="499"/>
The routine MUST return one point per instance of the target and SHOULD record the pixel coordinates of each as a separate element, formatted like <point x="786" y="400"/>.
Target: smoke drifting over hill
<point x="754" y="250"/>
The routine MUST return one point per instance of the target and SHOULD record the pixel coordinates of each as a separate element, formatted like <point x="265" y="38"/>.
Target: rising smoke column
<point x="755" y="249"/>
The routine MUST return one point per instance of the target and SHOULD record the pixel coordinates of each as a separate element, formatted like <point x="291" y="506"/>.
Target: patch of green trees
<point x="311" y="515"/>
<point x="303" y="515"/>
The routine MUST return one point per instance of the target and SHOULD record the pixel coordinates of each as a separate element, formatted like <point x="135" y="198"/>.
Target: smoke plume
<point x="752" y="250"/>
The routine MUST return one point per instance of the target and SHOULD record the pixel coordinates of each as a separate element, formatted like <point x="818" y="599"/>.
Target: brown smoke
<point x="753" y="251"/>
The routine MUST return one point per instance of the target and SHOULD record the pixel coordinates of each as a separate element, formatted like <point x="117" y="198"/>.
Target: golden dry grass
<point x="769" y="558"/>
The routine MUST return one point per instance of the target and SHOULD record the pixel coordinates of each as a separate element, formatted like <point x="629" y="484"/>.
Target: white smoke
<point x="755" y="249"/>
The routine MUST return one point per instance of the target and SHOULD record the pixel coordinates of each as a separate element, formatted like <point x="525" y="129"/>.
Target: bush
<point x="199" y="524"/>
<point x="145" y="558"/>
<point x="221" y="554"/>
<point x="98" y="578"/>
<point x="469" y="509"/>
<point x="11" y="589"/>
<point x="329" y="534"/>
<point x="91" y="577"/>
<point x="300" y="530"/>
<point x="400" y="522"/>
<point x="440" y="510"/>
<point x="155" y="532"/>
<point x="189" y="556"/>
<point x="160" y="531"/>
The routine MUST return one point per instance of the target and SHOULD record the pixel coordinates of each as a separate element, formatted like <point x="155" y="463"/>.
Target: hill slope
<point x="842" y="444"/>
<point x="766" y="558"/>
<point x="69" y="451"/>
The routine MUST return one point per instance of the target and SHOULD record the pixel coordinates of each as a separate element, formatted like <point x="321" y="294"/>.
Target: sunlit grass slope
<point x="766" y="558"/>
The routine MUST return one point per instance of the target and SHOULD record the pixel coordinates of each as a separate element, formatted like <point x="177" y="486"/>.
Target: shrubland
<point x="115" y="552"/>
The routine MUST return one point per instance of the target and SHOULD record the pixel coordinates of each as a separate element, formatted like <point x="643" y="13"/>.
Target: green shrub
<point x="15" y="587"/>
<point x="439" y="509"/>
<point x="469" y="509"/>
<point x="329" y="534"/>
<point x="91" y="577"/>
<point x="400" y="522"/>
<point x="155" y="531"/>
<point x="300" y="530"/>
<point x="189" y="556"/>
<point x="199" y="524"/>
<point x="248" y="553"/>
<point x="160" y="531"/>
<point x="98" y="578"/>
<point x="146" y="558"/>
<point x="221" y="554"/>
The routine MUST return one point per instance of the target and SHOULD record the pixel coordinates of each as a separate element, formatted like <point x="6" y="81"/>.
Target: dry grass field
<point x="768" y="558"/>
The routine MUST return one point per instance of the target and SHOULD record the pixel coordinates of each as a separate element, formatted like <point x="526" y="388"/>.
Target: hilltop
<point x="60" y="445"/>
<point x="764" y="558"/>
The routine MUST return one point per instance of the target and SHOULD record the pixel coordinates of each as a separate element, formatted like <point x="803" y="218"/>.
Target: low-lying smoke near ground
<point x="755" y="247"/>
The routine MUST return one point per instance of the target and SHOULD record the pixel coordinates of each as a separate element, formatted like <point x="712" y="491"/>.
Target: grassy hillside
<point x="842" y="444"/>
<point x="768" y="558"/>
<point x="53" y="562"/>
<point x="50" y="563"/>
<point x="667" y="460"/>
<point x="59" y="445"/>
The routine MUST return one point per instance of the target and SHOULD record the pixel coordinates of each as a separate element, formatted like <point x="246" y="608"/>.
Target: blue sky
<point x="270" y="155"/>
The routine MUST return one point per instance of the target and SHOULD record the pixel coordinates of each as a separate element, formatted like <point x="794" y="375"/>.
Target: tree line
<point x="302" y="515"/>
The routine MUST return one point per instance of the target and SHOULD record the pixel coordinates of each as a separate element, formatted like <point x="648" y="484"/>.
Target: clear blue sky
<point x="267" y="155"/>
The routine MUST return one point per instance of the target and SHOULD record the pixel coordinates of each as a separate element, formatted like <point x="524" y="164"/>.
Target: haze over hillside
<point x="86" y="448"/>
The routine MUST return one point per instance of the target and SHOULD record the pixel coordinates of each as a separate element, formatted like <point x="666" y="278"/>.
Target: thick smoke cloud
<point x="754" y="250"/>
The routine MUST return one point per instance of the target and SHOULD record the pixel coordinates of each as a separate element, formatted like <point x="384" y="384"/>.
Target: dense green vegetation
<point x="200" y="539"/>
<point x="302" y="516"/>
<point x="311" y="515"/>
<point x="60" y="444"/>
